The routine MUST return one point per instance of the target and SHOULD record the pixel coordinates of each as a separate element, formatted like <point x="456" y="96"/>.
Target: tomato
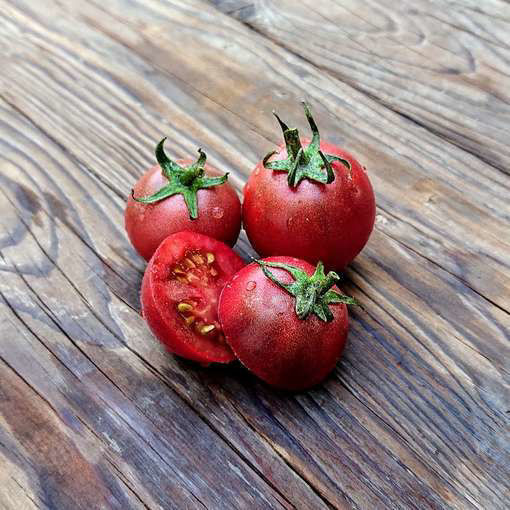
<point x="285" y="321"/>
<point x="175" y="196"/>
<point x="180" y="292"/>
<point x="309" y="199"/>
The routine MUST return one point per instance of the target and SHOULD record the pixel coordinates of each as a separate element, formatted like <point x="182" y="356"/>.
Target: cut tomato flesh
<point x="197" y="274"/>
<point x="180" y="295"/>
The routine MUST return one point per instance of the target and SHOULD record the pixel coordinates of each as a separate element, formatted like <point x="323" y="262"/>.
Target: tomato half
<point x="180" y="293"/>
<point x="261" y="323"/>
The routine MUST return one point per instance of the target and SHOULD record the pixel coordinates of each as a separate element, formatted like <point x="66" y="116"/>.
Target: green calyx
<point x="182" y="180"/>
<point x="313" y="293"/>
<point x="304" y="162"/>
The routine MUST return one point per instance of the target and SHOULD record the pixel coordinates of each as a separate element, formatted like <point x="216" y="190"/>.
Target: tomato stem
<point x="313" y="293"/>
<point x="185" y="181"/>
<point x="303" y="162"/>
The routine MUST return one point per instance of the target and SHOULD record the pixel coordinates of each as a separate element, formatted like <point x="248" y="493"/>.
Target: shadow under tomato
<point x="234" y="375"/>
<point x="217" y="374"/>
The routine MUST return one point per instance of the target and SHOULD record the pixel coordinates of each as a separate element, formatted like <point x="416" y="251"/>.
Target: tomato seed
<point x="210" y="258"/>
<point x="184" y="307"/>
<point x="198" y="259"/>
<point x="189" y="320"/>
<point x="207" y="328"/>
<point x="190" y="263"/>
<point x="191" y="277"/>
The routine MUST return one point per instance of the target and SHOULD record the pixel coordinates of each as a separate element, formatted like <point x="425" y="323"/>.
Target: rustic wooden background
<point x="94" y="414"/>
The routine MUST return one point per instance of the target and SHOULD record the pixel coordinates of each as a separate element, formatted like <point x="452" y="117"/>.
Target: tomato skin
<point x="161" y="294"/>
<point x="262" y="328"/>
<point x="219" y="212"/>
<point x="313" y="221"/>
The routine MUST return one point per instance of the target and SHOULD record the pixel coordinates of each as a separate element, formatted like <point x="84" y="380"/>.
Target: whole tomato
<point x="175" y="196"/>
<point x="180" y="292"/>
<point x="285" y="320"/>
<point x="309" y="199"/>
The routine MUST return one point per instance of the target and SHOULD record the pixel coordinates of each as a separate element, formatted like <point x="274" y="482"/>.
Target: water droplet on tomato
<point x="251" y="285"/>
<point x="217" y="212"/>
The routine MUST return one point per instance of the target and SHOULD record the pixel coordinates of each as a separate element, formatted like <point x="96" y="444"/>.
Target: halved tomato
<point x="180" y="293"/>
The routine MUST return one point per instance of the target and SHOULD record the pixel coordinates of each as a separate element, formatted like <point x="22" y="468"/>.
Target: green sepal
<point x="313" y="293"/>
<point x="304" y="162"/>
<point x="182" y="180"/>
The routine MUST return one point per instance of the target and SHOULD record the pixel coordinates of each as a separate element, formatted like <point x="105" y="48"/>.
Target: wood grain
<point x="74" y="324"/>
<point x="437" y="190"/>
<point x="445" y="67"/>
<point x="415" y="416"/>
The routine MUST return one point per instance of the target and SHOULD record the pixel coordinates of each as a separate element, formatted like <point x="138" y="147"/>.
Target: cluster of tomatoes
<point x="308" y="202"/>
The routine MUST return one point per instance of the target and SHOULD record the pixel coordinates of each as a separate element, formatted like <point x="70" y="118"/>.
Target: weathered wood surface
<point x="443" y="64"/>
<point x="93" y="412"/>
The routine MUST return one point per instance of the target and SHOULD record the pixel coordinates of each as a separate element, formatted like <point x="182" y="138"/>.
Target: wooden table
<point x="94" y="414"/>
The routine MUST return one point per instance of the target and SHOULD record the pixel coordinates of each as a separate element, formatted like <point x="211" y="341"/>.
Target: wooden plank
<point x="121" y="369"/>
<point x="438" y="191"/>
<point x="446" y="68"/>
<point x="76" y="326"/>
<point x="62" y="466"/>
<point x="425" y="378"/>
<point x="449" y="211"/>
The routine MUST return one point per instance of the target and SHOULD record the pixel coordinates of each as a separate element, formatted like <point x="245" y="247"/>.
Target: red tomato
<point x="291" y="333"/>
<point x="180" y="292"/>
<point x="181" y="196"/>
<point x="291" y="206"/>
